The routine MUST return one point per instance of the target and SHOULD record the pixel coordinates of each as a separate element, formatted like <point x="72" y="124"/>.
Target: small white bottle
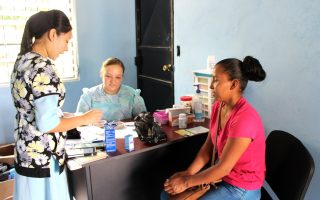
<point x="182" y="120"/>
<point x="211" y="61"/>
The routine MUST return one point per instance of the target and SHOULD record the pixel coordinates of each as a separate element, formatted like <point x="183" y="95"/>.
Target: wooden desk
<point x="139" y="174"/>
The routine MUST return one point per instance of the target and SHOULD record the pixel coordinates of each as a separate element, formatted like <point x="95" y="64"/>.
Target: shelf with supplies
<point x="203" y="77"/>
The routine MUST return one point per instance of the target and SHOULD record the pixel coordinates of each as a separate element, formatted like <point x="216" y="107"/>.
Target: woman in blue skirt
<point x="38" y="95"/>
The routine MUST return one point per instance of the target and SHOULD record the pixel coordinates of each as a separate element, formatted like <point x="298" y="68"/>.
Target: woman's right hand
<point x="92" y="116"/>
<point x="175" y="185"/>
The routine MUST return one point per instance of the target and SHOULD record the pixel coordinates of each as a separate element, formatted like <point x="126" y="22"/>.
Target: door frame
<point x="138" y="60"/>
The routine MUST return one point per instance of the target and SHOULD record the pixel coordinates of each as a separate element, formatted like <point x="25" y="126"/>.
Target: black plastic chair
<point x="290" y="166"/>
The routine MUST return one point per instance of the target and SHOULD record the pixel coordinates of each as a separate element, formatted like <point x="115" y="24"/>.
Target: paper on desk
<point x="76" y="163"/>
<point x="183" y="132"/>
<point x="192" y="131"/>
<point x="128" y="124"/>
<point x="88" y="134"/>
<point x="73" y="165"/>
<point x="198" y="130"/>
<point x="120" y="133"/>
<point x="93" y="133"/>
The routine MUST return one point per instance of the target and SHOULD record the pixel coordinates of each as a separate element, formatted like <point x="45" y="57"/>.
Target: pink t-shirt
<point x="243" y="122"/>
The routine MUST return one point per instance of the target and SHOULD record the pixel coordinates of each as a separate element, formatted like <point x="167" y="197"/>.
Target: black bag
<point x="73" y="134"/>
<point x="148" y="131"/>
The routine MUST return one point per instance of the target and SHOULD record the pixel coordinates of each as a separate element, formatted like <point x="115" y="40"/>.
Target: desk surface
<point x="139" y="174"/>
<point x="169" y="131"/>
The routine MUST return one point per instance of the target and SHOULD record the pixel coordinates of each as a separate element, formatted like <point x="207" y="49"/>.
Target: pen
<point x="96" y="141"/>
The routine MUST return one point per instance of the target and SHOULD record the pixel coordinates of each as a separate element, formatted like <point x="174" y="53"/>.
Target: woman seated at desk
<point x="116" y="100"/>
<point x="236" y="131"/>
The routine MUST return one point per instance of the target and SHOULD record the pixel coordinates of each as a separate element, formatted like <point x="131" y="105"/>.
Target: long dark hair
<point x="40" y="23"/>
<point x="249" y="69"/>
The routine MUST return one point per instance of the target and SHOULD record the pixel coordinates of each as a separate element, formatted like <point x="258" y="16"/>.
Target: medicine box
<point x="173" y="114"/>
<point x="203" y="78"/>
<point x="128" y="142"/>
<point x="110" y="139"/>
<point x="161" y="117"/>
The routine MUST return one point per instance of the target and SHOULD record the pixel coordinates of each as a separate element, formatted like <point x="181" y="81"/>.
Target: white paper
<point x="91" y="133"/>
<point x="94" y="133"/>
<point x="120" y="133"/>
<point x="198" y="130"/>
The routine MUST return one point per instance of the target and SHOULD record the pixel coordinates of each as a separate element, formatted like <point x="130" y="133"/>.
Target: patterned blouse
<point x="34" y="77"/>
<point x="127" y="103"/>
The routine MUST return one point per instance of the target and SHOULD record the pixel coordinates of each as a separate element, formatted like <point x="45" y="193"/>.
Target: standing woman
<point x="38" y="95"/>
<point x="240" y="138"/>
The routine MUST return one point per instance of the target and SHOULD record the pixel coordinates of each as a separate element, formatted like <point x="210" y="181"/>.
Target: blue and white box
<point x="110" y="138"/>
<point x="128" y="142"/>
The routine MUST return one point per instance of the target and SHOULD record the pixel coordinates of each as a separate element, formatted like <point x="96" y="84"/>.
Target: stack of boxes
<point x="204" y="78"/>
<point x="7" y="157"/>
<point x="173" y="115"/>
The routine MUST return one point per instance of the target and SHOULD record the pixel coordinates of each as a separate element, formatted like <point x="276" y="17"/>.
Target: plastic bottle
<point x="211" y="61"/>
<point x="110" y="138"/>
<point x="182" y="120"/>
<point x="186" y="101"/>
<point x="197" y="106"/>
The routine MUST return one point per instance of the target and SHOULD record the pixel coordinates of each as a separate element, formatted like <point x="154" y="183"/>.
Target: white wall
<point x="283" y="35"/>
<point x="105" y="29"/>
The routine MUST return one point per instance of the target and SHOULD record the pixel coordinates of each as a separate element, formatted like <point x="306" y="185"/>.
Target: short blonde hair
<point x="112" y="61"/>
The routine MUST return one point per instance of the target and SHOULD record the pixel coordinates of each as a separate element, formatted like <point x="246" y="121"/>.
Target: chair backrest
<point x="290" y="166"/>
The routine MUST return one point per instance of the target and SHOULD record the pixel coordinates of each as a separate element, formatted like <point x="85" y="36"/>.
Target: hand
<point x="182" y="173"/>
<point x="176" y="185"/>
<point x="92" y="116"/>
<point x="67" y="114"/>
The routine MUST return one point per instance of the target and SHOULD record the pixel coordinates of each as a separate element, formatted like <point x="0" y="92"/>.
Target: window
<point x="14" y="14"/>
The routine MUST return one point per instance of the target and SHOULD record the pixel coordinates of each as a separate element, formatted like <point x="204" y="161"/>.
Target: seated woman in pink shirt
<point x="240" y="138"/>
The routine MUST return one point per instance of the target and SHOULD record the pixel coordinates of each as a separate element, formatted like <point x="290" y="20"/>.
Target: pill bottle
<point x="211" y="61"/>
<point x="182" y="120"/>
<point x="186" y="101"/>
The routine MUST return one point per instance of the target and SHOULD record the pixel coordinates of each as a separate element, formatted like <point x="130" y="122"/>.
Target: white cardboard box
<point x="173" y="115"/>
<point x="6" y="156"/>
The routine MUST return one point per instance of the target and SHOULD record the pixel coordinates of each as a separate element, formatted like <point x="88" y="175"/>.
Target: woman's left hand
<point x="175" y="185"/>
